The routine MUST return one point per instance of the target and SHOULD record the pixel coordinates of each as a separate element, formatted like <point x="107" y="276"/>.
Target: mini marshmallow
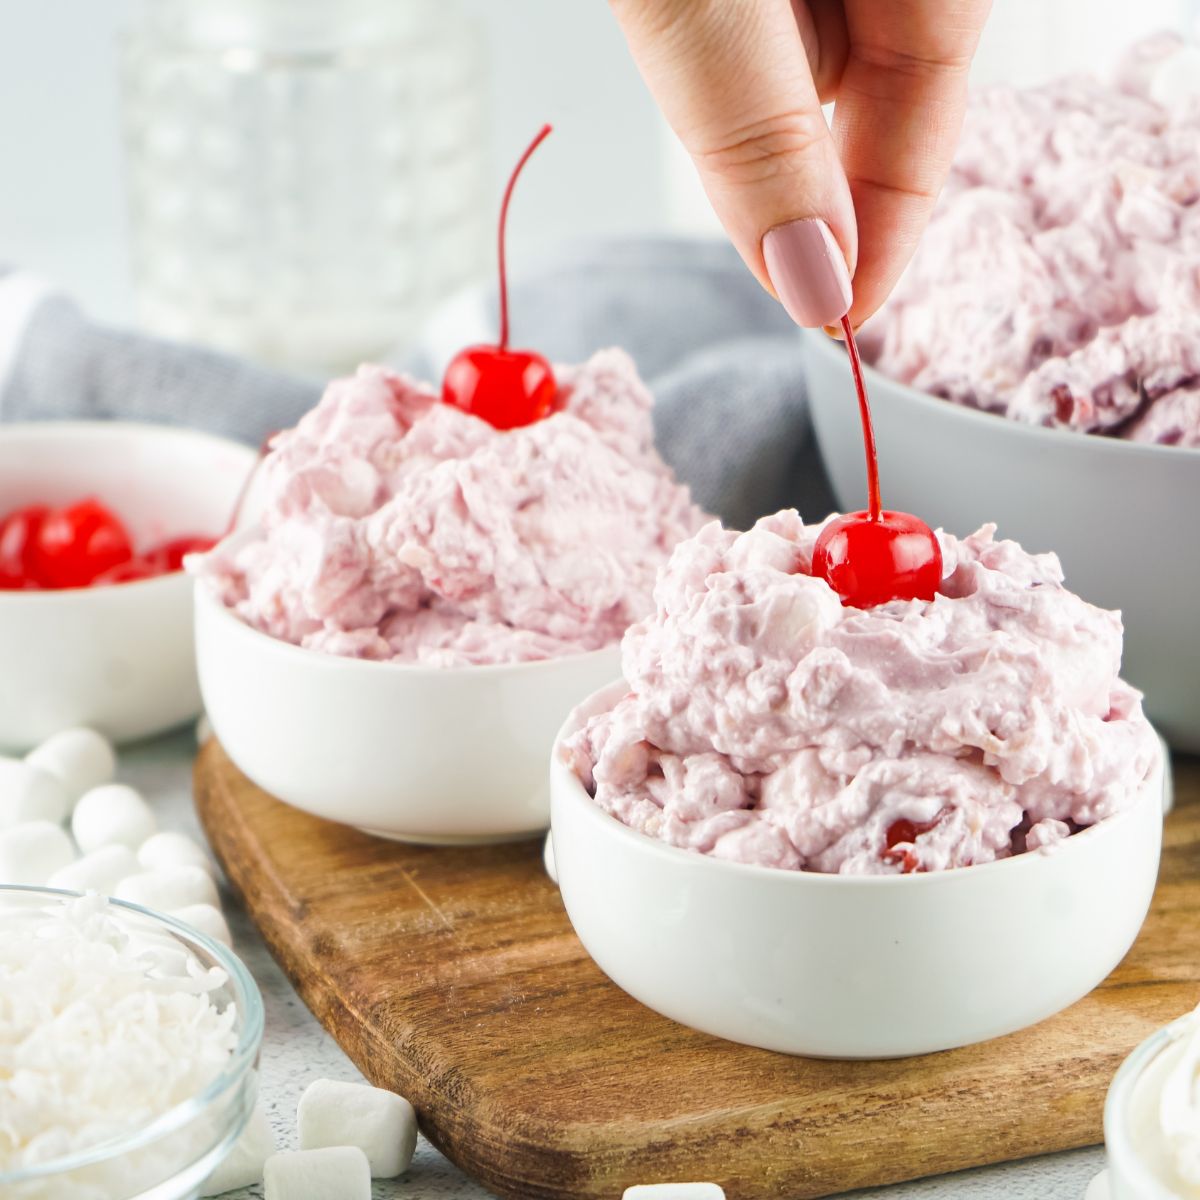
<point x="162" y="851"/>
<point x="333" y="1173"/>
<point x="32" y="852"/>
<point x="80" y="759"/>
<point x="548" y="857"/>
<point x="112" y="814"/>
<point x="674" y="1191"/>
<point x="169" y="891"/>
<point x="208" y="919"/>
<point x="244" y="1166"/>
<point x="29" y="793"/>
<point x="380" y="1123"/>
<point x="1177" y="82"/>
<point x="1098" y="1188"/>
<point x="99" y="871"/>
<point x="203" y="730"/>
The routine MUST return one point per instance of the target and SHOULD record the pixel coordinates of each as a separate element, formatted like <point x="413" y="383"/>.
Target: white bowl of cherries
<point x="95" y="613"/>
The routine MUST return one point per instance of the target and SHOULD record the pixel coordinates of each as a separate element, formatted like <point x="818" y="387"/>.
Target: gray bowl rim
<point x="821" y="343"/>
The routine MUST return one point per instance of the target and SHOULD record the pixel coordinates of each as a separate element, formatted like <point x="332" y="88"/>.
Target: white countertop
<point x="296" y="1050"/>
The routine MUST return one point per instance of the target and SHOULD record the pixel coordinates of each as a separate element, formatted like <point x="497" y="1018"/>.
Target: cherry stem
<point x="543" y="133"/>
<point x="235" y="517"/>
<point x="874" y="505"/>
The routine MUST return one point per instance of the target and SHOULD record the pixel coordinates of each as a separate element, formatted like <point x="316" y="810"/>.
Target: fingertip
<point x="808" y="270"/>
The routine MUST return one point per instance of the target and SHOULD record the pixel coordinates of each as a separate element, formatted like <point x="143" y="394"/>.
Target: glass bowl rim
<point x="251" y="1020"/>
<point x="1118" y="1145"/>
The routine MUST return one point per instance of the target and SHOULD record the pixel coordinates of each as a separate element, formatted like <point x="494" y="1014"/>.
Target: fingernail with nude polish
<point x="808" y="272"/>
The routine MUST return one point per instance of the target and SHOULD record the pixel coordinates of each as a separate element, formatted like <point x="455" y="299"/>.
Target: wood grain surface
<point x="453" y="977"/>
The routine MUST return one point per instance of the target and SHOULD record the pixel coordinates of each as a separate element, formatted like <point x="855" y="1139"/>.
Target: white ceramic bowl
<point x="421" y="754"/>
<point x="850" y="966"/>
<point x="116" y="658"/>
<point x="1120" y="515"/>
<point x="1129" y="1130"/>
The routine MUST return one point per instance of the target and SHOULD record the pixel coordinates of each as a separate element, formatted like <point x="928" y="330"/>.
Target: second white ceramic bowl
<point x="1120" y="515"/>
<point x="117" y="658"/>
<point x="421" y="754"/>
<point x="839" y="966"/>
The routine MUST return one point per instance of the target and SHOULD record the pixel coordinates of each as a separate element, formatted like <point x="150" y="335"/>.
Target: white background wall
<point x="62" y="205"/>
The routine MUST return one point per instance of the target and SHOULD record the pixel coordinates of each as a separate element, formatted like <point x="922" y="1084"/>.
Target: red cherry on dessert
<point x="18" y="542"/>
<point x="872" y="557"/>
<point x="507" y="388"/>
<point x="169" y="556"/>
<point x="869" y="562"/>
<point x="76" y="544"/>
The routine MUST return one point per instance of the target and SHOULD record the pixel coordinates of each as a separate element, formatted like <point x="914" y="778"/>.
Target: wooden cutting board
<point x="453" y="977"/>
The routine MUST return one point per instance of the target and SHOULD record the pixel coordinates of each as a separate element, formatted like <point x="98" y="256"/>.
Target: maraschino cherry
<point x="18" y="545"/>
<point x="168" y="556"/>
<point x="82" y="545"/>
<point x="872" y="557"/>
<point x="76" y="544"/>
<point x="507" y="388"/>
<point x="900" y="841"/>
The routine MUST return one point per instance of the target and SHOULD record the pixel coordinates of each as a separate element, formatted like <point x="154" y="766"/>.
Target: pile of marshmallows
<point x="349" y="1134"/>
<point x="116" y="850"/>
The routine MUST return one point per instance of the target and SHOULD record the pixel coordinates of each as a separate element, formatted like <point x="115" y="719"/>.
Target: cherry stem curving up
<point x="542" y="134"/>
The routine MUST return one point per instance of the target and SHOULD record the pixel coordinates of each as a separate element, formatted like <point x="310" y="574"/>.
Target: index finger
<point x="898" y="114"/>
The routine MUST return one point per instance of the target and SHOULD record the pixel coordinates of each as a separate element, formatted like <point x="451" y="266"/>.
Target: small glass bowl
<point x="1129" y="1176"/>
<point x="172" y="1156"/>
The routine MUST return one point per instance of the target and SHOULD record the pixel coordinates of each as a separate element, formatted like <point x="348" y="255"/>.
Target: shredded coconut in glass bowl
<point x="107" y="1024"/>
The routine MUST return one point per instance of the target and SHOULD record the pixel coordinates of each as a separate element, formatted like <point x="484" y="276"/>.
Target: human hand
<point x="742" y="83"/>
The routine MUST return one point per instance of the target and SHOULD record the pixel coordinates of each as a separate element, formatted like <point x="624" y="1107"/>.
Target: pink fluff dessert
<point x="766" y="723"/>
<point x="396" y="527"/>
<point x="1059" y="280"/>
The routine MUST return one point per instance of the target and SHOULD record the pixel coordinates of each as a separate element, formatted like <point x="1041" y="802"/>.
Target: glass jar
<point x="306" y="178"/>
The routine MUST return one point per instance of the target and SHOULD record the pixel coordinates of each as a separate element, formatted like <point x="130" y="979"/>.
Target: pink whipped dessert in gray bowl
<point x="1038" y="365"/>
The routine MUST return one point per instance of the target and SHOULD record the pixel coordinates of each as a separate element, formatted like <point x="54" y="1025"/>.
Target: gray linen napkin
<point x="720" y="356"/>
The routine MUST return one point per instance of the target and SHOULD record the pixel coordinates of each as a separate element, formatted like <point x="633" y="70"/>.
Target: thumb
<point x="732" y="77"/>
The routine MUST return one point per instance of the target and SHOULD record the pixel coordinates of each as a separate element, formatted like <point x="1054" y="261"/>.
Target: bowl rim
<point x="567" y="784"/>
<point x="60" y="595"/>
<point x="53" y="431"/>
<point x="825" y="344"/>
<point x="208" y="601"/>
<point x="1117" y="1143"/>
<point x="247" y="997"/>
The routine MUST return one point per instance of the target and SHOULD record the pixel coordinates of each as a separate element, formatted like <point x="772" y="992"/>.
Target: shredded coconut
<point x="104" y="1027"/>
